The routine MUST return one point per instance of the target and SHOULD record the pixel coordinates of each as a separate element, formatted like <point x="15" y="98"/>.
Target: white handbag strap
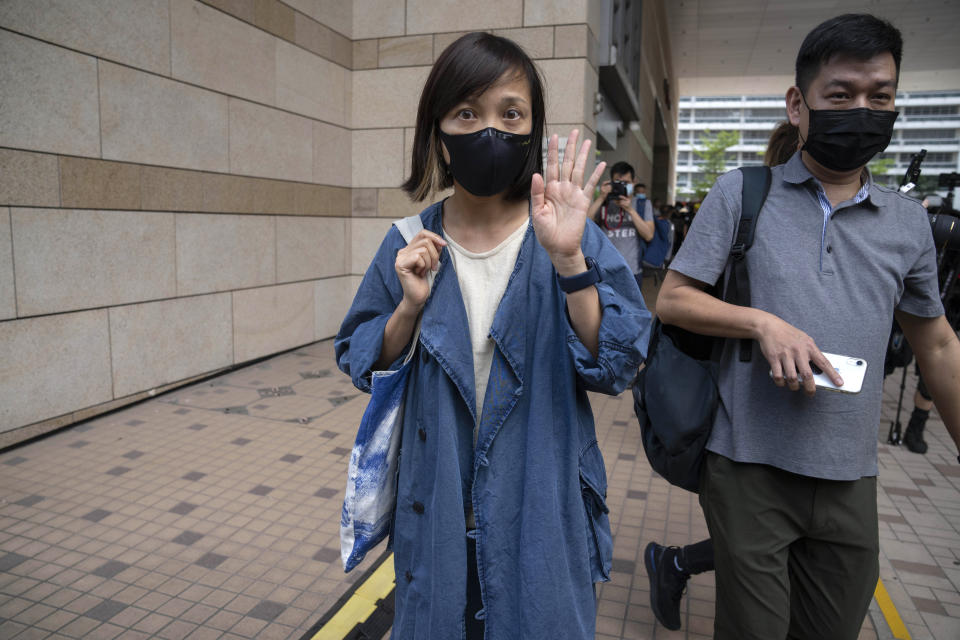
<point x="409" y="227"/>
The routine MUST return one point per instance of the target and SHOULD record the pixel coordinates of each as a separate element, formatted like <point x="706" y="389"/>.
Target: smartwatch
<point x="583" y="280"/>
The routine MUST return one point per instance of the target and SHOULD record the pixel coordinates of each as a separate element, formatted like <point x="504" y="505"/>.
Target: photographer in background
<point x="615" y="211"/>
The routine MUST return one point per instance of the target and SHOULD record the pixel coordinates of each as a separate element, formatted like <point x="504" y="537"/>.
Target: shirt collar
<point x="795" y="172"/>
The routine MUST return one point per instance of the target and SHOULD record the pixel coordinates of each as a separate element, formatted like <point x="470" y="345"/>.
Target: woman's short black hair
<point x="468" y="67"/>
<point x="859" y="35"/>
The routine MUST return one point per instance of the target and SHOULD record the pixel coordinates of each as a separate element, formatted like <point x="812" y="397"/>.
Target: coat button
<point x="422" y="434"/>
<point x="408" y="576"/>
<point x="418" y="507"/>
<point x="829" y="248"/>
<point x="423" y="354"/>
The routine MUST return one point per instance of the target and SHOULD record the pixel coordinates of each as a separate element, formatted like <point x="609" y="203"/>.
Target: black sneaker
<point x="667" y="583"/>
<point x="913" y="438"/>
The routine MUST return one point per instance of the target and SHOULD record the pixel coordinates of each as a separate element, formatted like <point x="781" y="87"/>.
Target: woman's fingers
<point x="433" y="237"/>
<point x="553" y="171"/>
<point x="592" y="182"/>
<point x="581" y="164"/>
<point x="569" y="156"/>
<point x="536" y="192"/>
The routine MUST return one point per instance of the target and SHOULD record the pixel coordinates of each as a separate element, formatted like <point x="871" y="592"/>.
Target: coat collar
<point x="444" y="329"/>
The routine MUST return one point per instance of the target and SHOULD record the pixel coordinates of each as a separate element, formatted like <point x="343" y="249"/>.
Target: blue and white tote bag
<point x="371" y="495"/>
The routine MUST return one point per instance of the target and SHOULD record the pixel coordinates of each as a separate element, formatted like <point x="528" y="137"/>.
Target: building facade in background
<point x="928" y="120"/>
<point x="187" y="186"/>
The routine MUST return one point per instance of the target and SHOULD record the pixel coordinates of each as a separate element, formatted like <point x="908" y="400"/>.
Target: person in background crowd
<point x="669" y="568"/>
<point x="922" y="403"/>
<point x="626" y="228"/>
<point x="783" y="143"/>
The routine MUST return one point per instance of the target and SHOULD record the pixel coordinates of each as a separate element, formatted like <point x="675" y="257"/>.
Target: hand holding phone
<point x="851" y="369"/>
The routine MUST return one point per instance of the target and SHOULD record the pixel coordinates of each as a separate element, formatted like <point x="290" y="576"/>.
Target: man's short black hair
<point x="621" y="168"/>
<point x="859" y="35"/>
<point x="640" y="185"/>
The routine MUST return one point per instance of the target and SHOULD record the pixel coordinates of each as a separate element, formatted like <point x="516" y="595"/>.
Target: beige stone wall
<point x="187" y="185"/>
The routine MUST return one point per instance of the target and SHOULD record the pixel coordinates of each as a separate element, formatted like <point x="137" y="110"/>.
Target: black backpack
<point x="675" y="395"/>
<point x="899" y="354"/>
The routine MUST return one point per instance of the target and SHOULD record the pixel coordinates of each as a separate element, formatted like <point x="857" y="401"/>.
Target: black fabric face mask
<point x="846" y="139"/>
<point x="486" y="162"/>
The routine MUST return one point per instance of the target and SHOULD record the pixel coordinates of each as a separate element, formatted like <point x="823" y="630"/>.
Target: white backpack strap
<point x="409" y="227"/>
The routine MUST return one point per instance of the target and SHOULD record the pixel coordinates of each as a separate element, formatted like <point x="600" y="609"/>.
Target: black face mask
<point x="486" y="162"/>
<point x="846" y="139"/>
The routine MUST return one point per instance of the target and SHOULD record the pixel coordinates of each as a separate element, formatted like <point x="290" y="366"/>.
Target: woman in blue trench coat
<point x="501" y="526"/>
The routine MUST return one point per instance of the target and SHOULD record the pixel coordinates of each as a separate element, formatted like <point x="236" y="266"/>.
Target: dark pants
<point x="473" y="626"/>
<point x="698" y="557"/>
<point x="796" y="557"/>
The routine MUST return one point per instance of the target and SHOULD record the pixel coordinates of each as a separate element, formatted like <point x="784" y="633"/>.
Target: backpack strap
<point x="409" y="227"/>
<point x="756" y="186"/>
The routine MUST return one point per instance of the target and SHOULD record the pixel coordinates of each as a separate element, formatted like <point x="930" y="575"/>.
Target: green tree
<point x="712" y="149"/>
<point x="878" y="169"/>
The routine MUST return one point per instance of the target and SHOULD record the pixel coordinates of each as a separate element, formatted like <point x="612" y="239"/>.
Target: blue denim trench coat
<point x="536" y="479"/>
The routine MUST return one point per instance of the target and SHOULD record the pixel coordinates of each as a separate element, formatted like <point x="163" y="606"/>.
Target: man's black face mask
<point x="846" y="139"/>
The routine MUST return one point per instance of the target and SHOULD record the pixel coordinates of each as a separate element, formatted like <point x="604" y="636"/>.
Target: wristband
<point x="583" y="280"/>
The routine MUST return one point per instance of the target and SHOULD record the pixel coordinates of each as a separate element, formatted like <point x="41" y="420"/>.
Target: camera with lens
<point x="618" y="188"/>
<point x="944" y="219"/>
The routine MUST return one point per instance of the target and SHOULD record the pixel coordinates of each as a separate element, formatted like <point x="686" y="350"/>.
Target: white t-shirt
<point x="483" y="279"/>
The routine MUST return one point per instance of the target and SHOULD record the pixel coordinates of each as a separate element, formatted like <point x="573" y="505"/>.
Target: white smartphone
<point x="850" y="368"/>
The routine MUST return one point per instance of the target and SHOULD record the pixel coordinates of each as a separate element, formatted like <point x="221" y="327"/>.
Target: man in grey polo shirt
<point x="789" y="486"/>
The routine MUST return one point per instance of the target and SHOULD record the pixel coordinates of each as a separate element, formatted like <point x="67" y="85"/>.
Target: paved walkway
<point x="213" y="512"/>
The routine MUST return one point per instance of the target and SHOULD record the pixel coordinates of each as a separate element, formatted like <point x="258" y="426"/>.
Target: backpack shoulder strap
<point x="409" y="227"/>
<point x="756" y="186"/>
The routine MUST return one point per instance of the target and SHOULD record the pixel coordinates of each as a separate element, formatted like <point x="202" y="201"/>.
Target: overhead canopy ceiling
<point x="749" y="46"/>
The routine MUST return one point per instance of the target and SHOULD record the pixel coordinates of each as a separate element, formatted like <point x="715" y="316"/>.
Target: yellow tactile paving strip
<point x="177" y="518"/>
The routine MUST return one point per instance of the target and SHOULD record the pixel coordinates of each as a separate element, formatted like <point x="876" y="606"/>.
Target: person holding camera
<point x="789" y="485"/>
<point x="615" y="211"/>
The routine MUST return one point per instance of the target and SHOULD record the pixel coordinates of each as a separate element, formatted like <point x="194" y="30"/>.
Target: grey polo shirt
<point x="837" y="278"/>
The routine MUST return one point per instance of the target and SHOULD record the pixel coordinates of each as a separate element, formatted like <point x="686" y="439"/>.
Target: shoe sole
<point x="652" y="576"/>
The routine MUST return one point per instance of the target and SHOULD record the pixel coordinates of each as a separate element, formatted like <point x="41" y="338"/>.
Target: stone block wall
<point x="188" y="185"/>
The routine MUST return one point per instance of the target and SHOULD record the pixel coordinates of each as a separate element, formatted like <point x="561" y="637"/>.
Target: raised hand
<point x="560" y="203"/>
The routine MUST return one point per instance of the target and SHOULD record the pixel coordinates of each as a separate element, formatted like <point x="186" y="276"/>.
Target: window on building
<point x="717" y="115"/>
<point x="705" y="136"/>
<point x="928" y="134"/>
<point x="626" y="38"/>
<point x="941" y="159"/>
<point x="931" y="112"/>
<point x="684" y="115"/>
<point x="683" y="158"/>
<point x="754" y="136"/>
<point x="757" y="115"/>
